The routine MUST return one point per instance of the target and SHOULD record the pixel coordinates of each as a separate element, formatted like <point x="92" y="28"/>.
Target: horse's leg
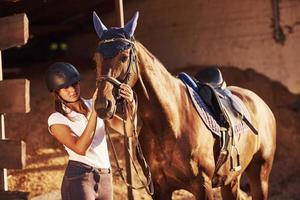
<point x="203" y="189"/>
<point x="206" y="193"/>
<point x="233" y="191"/>
<point x="161" y="192"/>
<point x="258" y="174"/>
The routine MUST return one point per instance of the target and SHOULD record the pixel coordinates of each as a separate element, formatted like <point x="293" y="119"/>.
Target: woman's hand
<point x="116" y="123"/>
<point x="127" y="93"/>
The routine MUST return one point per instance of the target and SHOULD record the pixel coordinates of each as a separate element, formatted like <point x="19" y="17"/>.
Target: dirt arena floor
<point x="46" y="159"/>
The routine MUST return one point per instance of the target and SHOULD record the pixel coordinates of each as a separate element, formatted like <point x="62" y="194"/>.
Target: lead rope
<point x="149" y="185"/>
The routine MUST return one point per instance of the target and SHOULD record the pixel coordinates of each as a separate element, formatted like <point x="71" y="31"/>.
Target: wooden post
<point x="13" y="32"/>
<point x="3" y="172"/>
<point x="127" y="141"/>
<point x="119" y="12"/>
<point x="129" y="175"/>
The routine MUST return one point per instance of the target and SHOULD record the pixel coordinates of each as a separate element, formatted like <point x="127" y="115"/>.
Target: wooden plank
<point x="13" y="31"/>
<point x="14" y="195"/>
<point x="14" y="96"/>
<point x="12" y="154"/>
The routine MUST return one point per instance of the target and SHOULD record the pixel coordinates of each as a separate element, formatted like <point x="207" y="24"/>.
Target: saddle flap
<point x="235" y="110"/>
<point x="209" y="119"/>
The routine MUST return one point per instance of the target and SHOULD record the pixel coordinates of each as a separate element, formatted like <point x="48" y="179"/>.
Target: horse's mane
<point x="140" y="46"/>
<point x="164" y="88"/>
<point x="152" y="61"/>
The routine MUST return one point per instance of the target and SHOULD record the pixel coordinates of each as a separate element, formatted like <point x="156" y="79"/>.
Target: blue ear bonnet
<point x="108" y="47"/>
<point x="111" y="49"/>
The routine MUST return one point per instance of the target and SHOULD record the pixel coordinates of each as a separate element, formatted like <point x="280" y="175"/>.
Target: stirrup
<point x="235" y="166"/>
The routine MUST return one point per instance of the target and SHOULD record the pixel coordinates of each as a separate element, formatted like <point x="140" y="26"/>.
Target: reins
<point x="148" y="186"/>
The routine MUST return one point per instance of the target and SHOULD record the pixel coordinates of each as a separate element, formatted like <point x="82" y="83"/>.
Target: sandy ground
<point x="46" y="159"/>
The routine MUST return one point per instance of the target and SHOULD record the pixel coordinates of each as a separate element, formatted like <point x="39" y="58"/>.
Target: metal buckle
<point x="104" y="170"/>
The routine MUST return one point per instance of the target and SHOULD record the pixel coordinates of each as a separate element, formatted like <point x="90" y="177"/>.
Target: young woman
<point x="75" y="124"/>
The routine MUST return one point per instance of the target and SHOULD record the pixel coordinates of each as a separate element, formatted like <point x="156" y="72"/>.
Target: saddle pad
<point x="206" y="115"/>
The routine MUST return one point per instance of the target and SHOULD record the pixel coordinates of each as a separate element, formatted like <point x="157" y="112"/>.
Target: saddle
<point x="210" y="86"/>
<point x="222" y="104"/>
<point x="222" y="112"/>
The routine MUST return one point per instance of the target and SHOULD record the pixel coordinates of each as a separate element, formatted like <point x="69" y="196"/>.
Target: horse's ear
<point x="98" y="25"/>
<point x="129" y="28"/>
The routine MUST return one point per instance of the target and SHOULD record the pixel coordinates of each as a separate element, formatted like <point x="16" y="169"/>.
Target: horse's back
<point x="262" y="118"/>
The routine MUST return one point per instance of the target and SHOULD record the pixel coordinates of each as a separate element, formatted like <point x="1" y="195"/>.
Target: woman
<point x="75" y="124"/>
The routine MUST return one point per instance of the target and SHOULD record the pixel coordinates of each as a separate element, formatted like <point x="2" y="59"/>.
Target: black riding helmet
<point x="60" y="75"/>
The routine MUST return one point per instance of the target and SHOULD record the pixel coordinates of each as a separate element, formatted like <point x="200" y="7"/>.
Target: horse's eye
<point x="124" y="59"/>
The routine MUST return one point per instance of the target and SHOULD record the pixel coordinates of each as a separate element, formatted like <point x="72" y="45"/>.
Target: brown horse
<point x="179" y="149"/>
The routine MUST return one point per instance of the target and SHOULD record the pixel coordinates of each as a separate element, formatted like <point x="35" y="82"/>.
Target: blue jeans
<point x="83" y="182"/>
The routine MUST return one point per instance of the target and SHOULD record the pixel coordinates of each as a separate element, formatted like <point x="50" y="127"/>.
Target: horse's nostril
<point x="104" y="108"/>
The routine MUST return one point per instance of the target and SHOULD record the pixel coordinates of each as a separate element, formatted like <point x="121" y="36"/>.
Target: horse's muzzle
<point x="105" y="108"/>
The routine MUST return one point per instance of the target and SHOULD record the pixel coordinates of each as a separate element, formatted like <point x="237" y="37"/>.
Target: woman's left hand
<point x="126" y="92"/>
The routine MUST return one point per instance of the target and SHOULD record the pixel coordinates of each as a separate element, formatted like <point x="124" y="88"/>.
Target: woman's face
<point x="70" y="93"/>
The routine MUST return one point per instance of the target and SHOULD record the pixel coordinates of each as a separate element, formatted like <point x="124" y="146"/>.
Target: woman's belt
<point x="90" y="168"/>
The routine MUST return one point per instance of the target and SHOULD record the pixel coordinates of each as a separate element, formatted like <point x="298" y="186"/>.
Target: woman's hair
<point x="60" y="107"/>
<point x="58" y="104"/>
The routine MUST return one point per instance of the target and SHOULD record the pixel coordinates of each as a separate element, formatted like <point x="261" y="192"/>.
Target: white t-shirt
<point x="97" y="155"/>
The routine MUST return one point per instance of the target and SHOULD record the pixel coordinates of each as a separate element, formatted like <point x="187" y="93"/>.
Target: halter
<point x="115" y="82"/>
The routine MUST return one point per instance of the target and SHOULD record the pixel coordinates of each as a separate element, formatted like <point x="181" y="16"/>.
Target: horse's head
<point x="115" y="63"/>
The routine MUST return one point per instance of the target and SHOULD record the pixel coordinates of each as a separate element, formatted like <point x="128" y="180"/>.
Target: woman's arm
<point x="81" y="144"/>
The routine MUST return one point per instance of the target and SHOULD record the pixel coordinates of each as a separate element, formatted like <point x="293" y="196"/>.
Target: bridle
<point x="128" y="73"/>
<point x="132" y="69"/>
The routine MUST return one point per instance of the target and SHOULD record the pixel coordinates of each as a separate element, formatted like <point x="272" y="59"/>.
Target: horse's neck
<point x="161" y="86"/>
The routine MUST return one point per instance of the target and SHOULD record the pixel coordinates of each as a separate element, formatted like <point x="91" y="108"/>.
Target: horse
<point x="179" y="149"/>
